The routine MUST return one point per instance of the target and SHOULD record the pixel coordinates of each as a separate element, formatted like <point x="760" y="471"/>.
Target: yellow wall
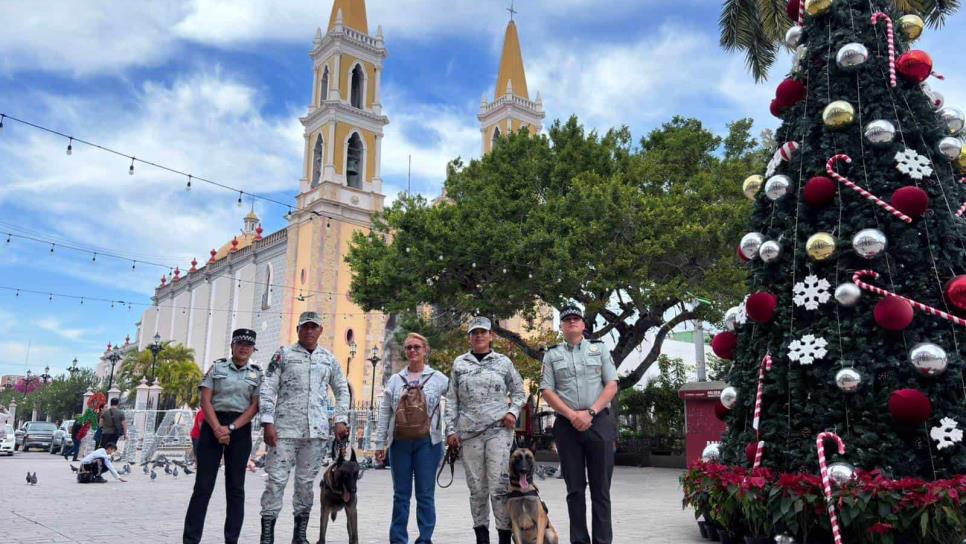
<point x="342" y="131"/>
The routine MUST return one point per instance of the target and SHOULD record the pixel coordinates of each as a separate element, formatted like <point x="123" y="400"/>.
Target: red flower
<point x="880" y="528"/>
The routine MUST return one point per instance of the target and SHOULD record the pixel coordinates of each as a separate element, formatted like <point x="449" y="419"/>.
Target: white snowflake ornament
<point x="742" y="317"/>
<point x="913" y="164"/>
<point x="947" y="433"/>
<point x="807" y="349"/>
<point x="776" y="159"/>
<point x="812" y="292"/>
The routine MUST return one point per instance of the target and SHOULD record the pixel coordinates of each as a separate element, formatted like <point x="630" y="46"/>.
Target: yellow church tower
<point x="511" y="107"/>
<point x="340" y="190"/>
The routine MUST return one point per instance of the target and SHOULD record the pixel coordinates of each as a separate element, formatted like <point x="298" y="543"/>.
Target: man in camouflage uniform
<point x="482" y="405"/>
<point x="294" y="413"/>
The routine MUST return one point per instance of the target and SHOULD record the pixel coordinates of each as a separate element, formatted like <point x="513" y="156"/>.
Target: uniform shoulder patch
<point x="596" y="341"/>
<point x="255" y="366"/>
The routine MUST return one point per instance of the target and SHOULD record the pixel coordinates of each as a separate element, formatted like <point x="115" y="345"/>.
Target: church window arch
<point x="355" y="161"/>
<point x="496" y="137"/>
<point x="357" y="86"/>
<point x="324" y="86"/>
<point x="317" y="154"/>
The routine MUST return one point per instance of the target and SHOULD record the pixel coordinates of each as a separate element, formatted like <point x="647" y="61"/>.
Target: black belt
<point x="221" y="413"/>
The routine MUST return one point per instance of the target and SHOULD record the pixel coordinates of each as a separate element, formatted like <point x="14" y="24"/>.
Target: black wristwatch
<point x="592" y="412"/>
<point x="231" y="427"/>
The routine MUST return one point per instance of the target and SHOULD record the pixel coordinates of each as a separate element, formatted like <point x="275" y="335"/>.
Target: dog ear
<point x="353" y="455"/>
<point x="513" y="446"/>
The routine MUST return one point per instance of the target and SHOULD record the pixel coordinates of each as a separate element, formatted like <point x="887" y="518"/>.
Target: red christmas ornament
<point x="792" y="9"/>
<point x="741" y="255"/>
<point x="723" y="344"/>
<point x="750" y="450"/>
<point x="789" y="93"/>
<point x="955" y="290"/>
<point x="775" y="108"/>
<point x="909" y="406"/>
<point x="914" y="65"/>
<point x="720" y="411"/>
<point x="761" y="306"/>
<point x="819" y="191"/>
<point x="893" y="313"/>
<point x="911" y="201"/>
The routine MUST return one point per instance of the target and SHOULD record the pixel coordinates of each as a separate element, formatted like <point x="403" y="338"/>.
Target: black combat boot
<point x="482" y="534"/>
<point x="268" y="531"/>
<point x="301" y="524"/>
<point x="506" y="536"/>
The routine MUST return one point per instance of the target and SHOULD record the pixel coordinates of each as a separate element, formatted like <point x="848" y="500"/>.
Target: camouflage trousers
<point x="305" y="454"/>
<point x="486" y="459"/>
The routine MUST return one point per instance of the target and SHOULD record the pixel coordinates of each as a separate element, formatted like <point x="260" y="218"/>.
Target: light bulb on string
<point x="70" y="147"/>
<point x="8" y="239"/>
<point x="133" y="264"/>
<point x="51" y="247"/>
<point x="50" y="297"/>
<point x="188" y="186"/>
<point x="18" y="293"/>
<point x="94" y="258"/>
<point x="82" y="301"/>
<point x="239" y="203"/>
<point x="130" y="171"/>
<point x="1" y="122"/>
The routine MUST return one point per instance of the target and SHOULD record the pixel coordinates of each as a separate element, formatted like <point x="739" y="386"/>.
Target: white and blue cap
<point x="480" y="322"/>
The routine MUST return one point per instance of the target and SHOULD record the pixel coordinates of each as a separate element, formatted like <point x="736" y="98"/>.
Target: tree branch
<point x="635" y="376"/>
<point x="519" y="341"/>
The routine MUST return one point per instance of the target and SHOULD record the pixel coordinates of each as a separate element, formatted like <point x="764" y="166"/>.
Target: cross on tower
<point x="511" y="10"/>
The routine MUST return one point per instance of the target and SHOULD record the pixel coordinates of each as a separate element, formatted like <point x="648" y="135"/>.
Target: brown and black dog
<point x="339" y="492"/>
<point x="528" y="514"/>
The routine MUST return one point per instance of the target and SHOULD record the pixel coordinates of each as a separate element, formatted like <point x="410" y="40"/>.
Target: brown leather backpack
<point x="413" y="419"/>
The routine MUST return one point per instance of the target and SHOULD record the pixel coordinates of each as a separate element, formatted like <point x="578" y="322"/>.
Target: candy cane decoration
<point x="830" y="168"/>
<point x="765" y="366"/>
<point x="827" y="483"/>
<point x="801" y="13"/>
<point x="880" y="16"/>
<point x="962" y="209"/>
<point x="857" y="279"/>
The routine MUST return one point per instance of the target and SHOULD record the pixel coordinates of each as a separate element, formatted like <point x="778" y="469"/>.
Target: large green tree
<point x="176" y="371"/>
<point x="632" y="233"/>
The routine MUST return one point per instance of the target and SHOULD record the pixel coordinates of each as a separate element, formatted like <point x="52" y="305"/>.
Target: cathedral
<point x="264" y="281"/>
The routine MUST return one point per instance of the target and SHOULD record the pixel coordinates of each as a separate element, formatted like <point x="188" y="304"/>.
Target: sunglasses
<point x="413" y="348"/>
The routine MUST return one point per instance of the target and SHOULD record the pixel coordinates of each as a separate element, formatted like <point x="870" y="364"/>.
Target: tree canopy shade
<point x="757" y="27"/>
<point x="632" y="233"/>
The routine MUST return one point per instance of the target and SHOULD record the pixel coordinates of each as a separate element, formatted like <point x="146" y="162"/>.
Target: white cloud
<point x="56" y="326"/>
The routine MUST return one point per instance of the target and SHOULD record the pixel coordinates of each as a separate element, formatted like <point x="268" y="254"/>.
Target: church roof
<point x="244" y="240"/>
<point x="511" y="65"/>
<point x="353" y="15"/>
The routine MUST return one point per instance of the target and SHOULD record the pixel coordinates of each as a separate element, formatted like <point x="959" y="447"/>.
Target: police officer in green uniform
<point x="229" y="400"/>
<point x="579" y="381"/>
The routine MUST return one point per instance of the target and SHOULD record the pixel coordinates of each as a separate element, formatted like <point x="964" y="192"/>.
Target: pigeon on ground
<point x="72" y="467"/>
<point x="146" y="469"/>
<point x="154" y="475"/>
<point x="32" y="479"/>
<point x="188" y="470"/>
<point x="167" y="469"/>
<point x="28" y="477"/>
<point x="174" y="472"/>
<point x="126" y="469"/>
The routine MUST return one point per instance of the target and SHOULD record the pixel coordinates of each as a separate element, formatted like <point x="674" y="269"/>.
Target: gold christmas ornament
<point x="817" y="7"/>
<point x="838" y="114"/>
<point x="752" y="185"/>
<point x="820" y="246"/>
<point x="961" y="161"/>
<point x="911" y="26"/>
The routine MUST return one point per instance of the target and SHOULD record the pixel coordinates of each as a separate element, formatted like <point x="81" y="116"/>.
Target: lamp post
<point x="374" y="359"/>
<point x="72" y="369"/>
<point x="46" y="378"/>
<point x="155" y="348"/>
<point x="26" y="383"/>
<point x="114" y="356"/>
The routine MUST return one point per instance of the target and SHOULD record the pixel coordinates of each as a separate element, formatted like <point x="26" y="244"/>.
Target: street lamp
<point x="26" y="383"/>
<point x="374" y="359"/>
<point x="155" y="348"/>
<point x="72" y="369"/>
<point x="114" y="356"/>
<point x="46" y="377"/>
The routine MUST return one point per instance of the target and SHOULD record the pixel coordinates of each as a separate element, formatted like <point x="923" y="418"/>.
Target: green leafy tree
<point x="633" y="233"/>
<point x="176" y="371"/>
<point x="657" y="409"/>
<point x="757" y="27"/>
<point x="63" y="398"/>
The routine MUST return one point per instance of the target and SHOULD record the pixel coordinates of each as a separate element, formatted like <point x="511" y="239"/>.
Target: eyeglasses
<point x="413" y="348"/>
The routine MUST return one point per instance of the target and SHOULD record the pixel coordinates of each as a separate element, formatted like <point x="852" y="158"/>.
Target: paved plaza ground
<point x="647" y="508"/>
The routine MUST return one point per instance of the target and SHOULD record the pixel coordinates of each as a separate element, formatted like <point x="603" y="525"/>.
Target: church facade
<point x="264" y="282"/>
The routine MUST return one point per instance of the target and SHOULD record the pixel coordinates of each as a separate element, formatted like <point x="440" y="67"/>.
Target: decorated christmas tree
<point x="847" y="386"/>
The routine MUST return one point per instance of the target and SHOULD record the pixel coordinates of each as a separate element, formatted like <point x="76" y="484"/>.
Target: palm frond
<point x="728" y="22"/>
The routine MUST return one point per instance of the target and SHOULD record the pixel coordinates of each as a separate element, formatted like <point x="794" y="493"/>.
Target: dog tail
<point x="334" y="512"/>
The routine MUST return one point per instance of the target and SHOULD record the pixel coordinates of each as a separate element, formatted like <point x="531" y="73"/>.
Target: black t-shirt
<point x="480" y="356"/>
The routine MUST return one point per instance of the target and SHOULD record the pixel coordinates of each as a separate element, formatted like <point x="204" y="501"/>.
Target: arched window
<point x="324" y="86"/>
<point x="353" y="168"/>
<point x="317" y="161"/>
<point x="267" y="293"/>
<point x="496" y="137"/>
<point x="358" y="80"/>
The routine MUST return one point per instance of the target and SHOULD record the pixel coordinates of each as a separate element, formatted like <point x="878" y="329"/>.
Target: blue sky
<point x="215" y="88"/>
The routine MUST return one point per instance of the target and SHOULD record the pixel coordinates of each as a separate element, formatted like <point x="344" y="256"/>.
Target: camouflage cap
<point x="310" y="317"/>
<point x="480" y="322"/>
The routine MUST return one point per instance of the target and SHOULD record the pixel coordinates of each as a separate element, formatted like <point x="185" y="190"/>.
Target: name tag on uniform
<point x="252" y="375"/>
<point x="593" y="349"/>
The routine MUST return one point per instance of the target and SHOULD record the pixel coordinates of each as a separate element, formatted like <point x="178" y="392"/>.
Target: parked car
<point x="8" y="440"/>
<point x="37" y="434"/>
<point x="19" y="435"/>
<point x="61" y="438"/>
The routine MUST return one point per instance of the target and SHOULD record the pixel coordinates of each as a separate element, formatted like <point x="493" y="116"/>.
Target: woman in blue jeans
<point x="412" y="459"/>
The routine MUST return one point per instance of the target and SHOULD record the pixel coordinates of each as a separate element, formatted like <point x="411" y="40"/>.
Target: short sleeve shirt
<point x="233" y="388"/>
<point x="578" y="374"/>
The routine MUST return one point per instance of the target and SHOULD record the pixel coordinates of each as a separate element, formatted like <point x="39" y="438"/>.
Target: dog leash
<point x="449" y="458"/>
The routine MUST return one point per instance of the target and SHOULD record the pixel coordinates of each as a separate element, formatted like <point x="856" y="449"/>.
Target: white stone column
<point x="153" y="395"/>
<point x="329" y="173"/>
<point x="33" y="415"/>
<point x="12" y="410"/>
<point x="338" y="77"/>
<point x="141" y="399"/>
<point x="87" y="396"/>
<point x="113" y="393"/>
<point x="376" y="100"/>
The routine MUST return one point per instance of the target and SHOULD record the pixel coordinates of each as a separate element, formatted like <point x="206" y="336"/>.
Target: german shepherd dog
<point x="528" y="514"/>
<point x="339" y="492"/>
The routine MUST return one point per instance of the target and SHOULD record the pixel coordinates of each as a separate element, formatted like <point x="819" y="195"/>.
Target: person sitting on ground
<point x="95" y="463"/>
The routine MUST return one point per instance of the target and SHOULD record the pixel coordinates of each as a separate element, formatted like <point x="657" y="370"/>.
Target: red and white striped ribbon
<point x="830" y="168"/>
<point x="880" y="16"/>
<point x="962" y="209"/>
<point x="801" y="13"/>
<point x="765" y="366"/>
<point x="827" y="483"/>
<point x="857" y="279"/>
<point x="758" y="453"/>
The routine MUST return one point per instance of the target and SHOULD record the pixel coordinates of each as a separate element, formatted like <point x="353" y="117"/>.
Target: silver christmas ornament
<point x="800" y="53"/>
<point x="935" y="97"/>
<point x="841" y="473"/>
<point x="769" y="251"/>
<point x="784" y="539"/>
<point x="869" y="243"/>
<point x="793" y="37"/>
<point x="929" y="359"/>
<point x="750" y="244"/>
<point x="711" y="453"/>
<point x="953" y="119"/>
<point x="880" y="133"/>
<point x="729" y="397"/>
<point x="777" y="186"/>
<point x="848" y="294"/>
<point x="848" y="380"/>
<point x="851" y="56"/>
<point x="731" y="318"/>
<point x="950" y="147"/>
